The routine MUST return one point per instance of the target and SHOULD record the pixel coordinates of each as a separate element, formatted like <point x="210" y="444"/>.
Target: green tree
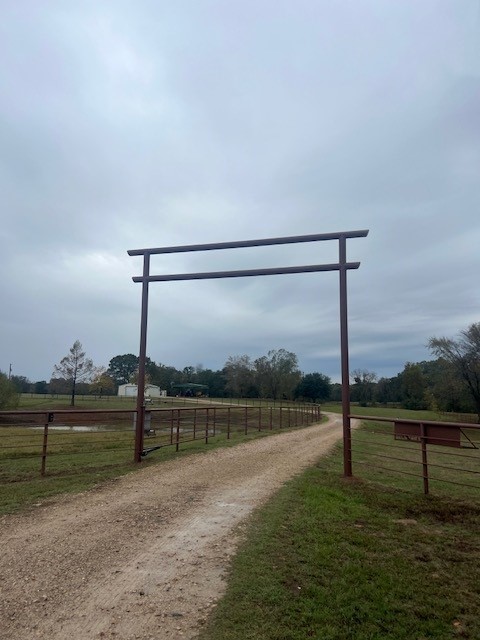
<point x="9" y="396"/>
<point x="277" y="374"/>
<point x="464" y="355"/>
<point x="41" y="386"/>
<point x="22" y="384"/>
<point x="239" y="376"/>
<point x="214" y="380"/>
<point x="414" y="387"/>
<point x="122" y="368"/>
<point x="314" y="386"/>
<point x="445" y="387"/>
<point x="74" y="368"/>
<point x="102" y="383"/>
<point x="163" y="376"/>
<point x="189" y="374"/>
<point x="388" y="390"/>
<point x="364" y="387"/>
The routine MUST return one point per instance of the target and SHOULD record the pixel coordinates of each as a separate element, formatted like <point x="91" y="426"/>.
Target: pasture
<point x="336" y="559"/>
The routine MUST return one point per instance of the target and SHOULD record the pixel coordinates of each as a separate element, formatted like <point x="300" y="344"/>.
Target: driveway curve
<point x="144" y="556"/>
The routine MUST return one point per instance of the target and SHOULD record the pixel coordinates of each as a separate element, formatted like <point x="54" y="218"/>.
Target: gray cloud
<point x="133" y="124"/>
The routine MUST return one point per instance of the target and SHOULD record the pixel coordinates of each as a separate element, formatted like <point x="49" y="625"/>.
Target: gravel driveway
<point x="144" y="556"/>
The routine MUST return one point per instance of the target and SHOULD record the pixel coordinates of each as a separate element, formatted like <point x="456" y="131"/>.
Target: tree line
<point x="450" y="383"/>
<point x="275" y="375"/>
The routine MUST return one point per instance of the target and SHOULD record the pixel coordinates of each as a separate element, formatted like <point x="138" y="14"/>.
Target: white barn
<point x="129" y="390"/>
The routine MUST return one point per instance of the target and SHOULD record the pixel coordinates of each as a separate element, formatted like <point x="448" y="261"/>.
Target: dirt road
<point x="144" y="556"/>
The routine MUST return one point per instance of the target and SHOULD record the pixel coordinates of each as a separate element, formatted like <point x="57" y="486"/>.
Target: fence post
<point x="424" y="458"/>
<point x="178" y="431"/>
<point x="195" y="423"/>
<point x="214" y="421"/>
<point x="49" y="418"/>
<point x="228" y="423"/>
<point x="259" y="418"/>
<point x="206" y="425"/>
<point x="246" y="419"/>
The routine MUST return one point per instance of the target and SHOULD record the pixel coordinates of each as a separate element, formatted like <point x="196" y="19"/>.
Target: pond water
<point x="79" y="428"/>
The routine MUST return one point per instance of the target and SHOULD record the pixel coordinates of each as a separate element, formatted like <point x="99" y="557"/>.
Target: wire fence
<point x="436" y="454"/>
<point x="76" y="441"/>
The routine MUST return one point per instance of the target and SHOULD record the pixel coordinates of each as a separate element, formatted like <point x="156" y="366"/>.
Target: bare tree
<point x="464" y="355"/>
<point x="74" y="367"/>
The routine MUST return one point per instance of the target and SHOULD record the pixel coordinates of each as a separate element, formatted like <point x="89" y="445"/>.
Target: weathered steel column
<point x="347" y="435"/>
<point x="140" y="424"/>
<point x="423" y="438"/>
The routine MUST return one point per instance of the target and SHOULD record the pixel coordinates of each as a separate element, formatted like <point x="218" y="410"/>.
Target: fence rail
<point x="62" y="441"/>
<point x="438" y="452"/>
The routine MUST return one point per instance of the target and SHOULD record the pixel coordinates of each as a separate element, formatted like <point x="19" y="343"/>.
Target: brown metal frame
<point x="427" y="432"/>
<point x="342" y="266"/>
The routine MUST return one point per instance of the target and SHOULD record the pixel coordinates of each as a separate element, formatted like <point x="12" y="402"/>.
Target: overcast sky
<point x="146" y="123"/>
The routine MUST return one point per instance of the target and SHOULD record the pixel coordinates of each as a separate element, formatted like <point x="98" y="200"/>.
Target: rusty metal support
<point x="423" y="438"/>
<point x="44" y="447"/>
<point x="139" y="432"/>
<point x="237" y="244"/>
<point x="177" y="442"/>
<point x="347" y="433"/>
<point x="207" y="415"/>
<point x="211" y="275"/>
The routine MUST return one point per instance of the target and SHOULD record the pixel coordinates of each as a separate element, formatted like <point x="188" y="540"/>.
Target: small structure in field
<point x="190" y="389"/>
<point x="129" y="390"/>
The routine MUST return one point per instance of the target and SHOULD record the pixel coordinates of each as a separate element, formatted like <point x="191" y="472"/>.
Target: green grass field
<point x="388" y="412"/>
<point x="332" y="559"/>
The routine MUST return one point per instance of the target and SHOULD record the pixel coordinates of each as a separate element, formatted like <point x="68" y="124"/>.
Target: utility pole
<point x="10" y="372"/>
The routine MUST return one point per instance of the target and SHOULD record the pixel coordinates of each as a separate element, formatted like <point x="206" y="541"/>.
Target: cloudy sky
<point x="127" y="124"/>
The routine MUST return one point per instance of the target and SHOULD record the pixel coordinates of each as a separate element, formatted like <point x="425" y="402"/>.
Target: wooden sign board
<point x="434" y="434"/>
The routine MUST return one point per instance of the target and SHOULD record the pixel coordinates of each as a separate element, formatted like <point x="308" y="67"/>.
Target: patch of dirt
<point x="146" y="556"/>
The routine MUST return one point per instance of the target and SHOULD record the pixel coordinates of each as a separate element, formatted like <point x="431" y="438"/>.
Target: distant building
<point x="191" y="389"/>
<point x="129" y="390"/>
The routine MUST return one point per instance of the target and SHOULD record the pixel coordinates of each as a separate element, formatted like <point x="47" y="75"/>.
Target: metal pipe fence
<point x="76" y="441"/>
<point x="438" y="453"/>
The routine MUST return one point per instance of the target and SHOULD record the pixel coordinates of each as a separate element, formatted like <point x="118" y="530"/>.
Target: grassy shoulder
<point x="339" y="560"/>
<point x="389" y="412"/>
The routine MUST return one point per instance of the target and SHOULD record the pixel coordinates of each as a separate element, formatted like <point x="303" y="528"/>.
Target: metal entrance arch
<point x="342" y="266"/>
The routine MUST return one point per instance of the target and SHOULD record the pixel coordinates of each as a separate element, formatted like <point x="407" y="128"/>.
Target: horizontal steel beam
<point x="247" y="272"/>
<point x="250" y="243"/>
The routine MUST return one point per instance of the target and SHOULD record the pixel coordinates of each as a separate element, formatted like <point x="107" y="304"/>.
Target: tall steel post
<point x="347" y="436"/>
<point x="140" y="424"/>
